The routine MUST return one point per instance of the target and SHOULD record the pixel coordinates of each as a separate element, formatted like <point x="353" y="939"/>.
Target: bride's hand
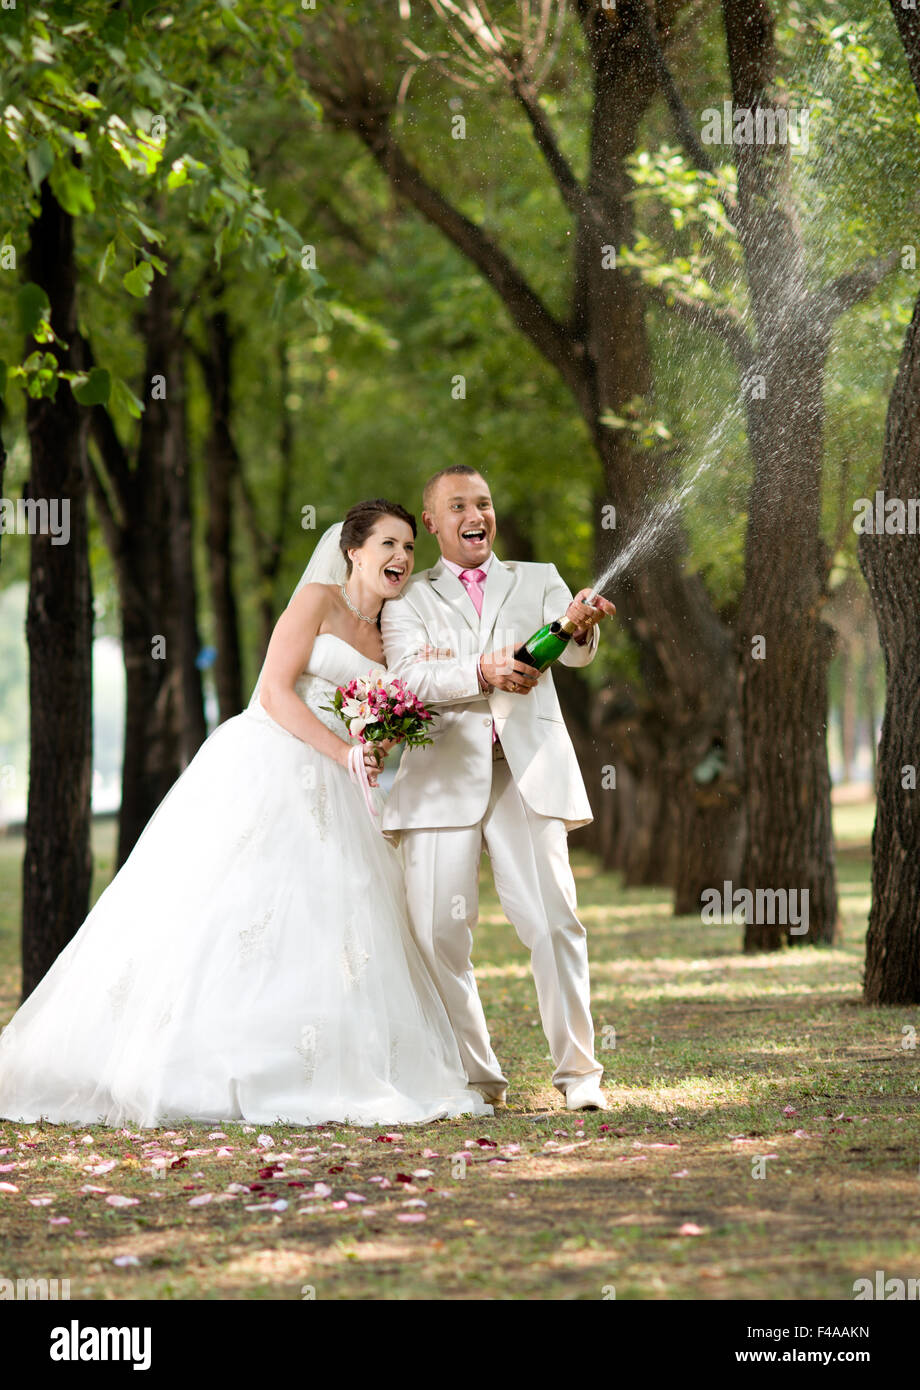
<point x="372" y="762"/>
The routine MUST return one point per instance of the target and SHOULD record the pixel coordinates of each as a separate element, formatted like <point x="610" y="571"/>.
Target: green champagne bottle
<point x="547" y="645"/>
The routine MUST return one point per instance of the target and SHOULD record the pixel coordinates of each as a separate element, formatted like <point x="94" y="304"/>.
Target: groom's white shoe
<point x="585" y="1095"/>
<point x="494" y="1095"/>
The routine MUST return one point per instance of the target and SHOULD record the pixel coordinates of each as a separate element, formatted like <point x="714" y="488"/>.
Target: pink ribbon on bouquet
<point x="357" y="771"/>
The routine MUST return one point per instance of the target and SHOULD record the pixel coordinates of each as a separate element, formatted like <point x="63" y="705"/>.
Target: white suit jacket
<point x="449" y="783"/>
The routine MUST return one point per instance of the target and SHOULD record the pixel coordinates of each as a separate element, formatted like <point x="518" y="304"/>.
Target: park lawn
<point x="718" y="1065"/>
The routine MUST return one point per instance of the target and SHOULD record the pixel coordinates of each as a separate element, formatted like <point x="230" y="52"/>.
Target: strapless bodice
<point x="333" y="661"/>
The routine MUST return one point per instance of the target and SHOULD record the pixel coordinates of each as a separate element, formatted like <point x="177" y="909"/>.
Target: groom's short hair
<point x="462" y="468"/>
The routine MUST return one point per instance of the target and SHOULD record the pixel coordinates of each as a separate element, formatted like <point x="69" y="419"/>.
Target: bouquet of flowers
<point x="375" y="710"/>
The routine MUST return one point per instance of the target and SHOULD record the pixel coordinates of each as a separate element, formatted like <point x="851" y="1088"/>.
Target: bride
<point x="252" y="958"/>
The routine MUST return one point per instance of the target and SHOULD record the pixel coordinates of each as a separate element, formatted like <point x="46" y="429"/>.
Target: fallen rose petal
<point x="124" y="1260"/>
<point x="265" y="1141"/>
<point x="354" y="1197"/>
<point x="411" y="1216"/>
<point x="322" y="1189"/>
<point x="8" y="1187"/>
<point x="99" y="1168"/>
<point x="684" y="1173"/>
<point x="789" y="1110"/>
<point x="58" y="1220"/>
<point x="422" y="1173"/>
<point x="415" y="1202"/>
<point x="689" y="1228"/>
<point x="202" y="1200"/>
<point x="280" y="1205"/>
<point x="41" y="1201"/>
<point x="114" y="1200"/>
<point x="339" y="1206"/>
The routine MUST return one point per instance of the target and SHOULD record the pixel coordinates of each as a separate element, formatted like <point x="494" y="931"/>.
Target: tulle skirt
<point x="252" y="960"/>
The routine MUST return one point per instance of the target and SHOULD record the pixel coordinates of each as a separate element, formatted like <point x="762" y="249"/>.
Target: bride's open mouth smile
<point x="394" y="575"/>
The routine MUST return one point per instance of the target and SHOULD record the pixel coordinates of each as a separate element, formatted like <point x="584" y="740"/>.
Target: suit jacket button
<point x="488" y="723"/>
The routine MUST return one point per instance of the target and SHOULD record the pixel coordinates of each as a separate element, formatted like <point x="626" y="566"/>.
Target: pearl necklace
<point x="357" y="612"/>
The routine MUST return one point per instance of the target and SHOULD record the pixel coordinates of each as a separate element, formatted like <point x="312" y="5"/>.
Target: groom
<point x="502" y="773"/>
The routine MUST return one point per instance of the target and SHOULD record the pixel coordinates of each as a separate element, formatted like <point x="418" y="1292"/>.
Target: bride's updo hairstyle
<point x="361" y="519"/>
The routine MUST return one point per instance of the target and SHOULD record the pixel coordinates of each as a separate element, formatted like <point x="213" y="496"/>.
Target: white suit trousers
<point x="533" y="877"/>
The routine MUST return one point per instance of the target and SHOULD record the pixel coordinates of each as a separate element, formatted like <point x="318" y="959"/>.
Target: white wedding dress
<point x="252" y="959"/>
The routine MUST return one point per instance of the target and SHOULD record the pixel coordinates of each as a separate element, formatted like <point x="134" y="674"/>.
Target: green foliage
<point x="128" y="117"/>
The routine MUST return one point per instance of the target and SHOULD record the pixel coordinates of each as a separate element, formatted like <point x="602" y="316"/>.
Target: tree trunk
<point x="223" y="468"/>
<point x="847" y="711"/>
<point x="786" y="650"/>
<point x="268" y="545"/>
<point x="57" y="868"/>
<point x="893" y="575"/>
<point x="785" y="645"/>
<point x="869" y="690"/>
<point x="889" y="563"/>
<point x="145" y="512"/>
<point x="193" y="729"/>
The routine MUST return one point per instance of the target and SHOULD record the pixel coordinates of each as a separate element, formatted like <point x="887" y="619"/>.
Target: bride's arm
<point x="285" y="661"/>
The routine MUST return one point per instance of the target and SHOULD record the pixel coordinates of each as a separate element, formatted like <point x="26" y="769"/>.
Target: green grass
<point x="709" y="1050"/>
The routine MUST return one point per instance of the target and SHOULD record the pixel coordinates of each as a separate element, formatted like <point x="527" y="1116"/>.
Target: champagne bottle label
<point x="546" y="645"/>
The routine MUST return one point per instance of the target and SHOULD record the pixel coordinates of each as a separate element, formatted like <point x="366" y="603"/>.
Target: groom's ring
<point x="513" y="685"/>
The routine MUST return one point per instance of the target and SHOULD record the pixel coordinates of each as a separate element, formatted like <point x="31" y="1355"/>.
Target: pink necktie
<point x="472" y="583"/>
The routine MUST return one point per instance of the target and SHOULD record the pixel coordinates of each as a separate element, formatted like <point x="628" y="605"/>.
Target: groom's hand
<point x="500" y="670"/>
<point x="584" y="615"/>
